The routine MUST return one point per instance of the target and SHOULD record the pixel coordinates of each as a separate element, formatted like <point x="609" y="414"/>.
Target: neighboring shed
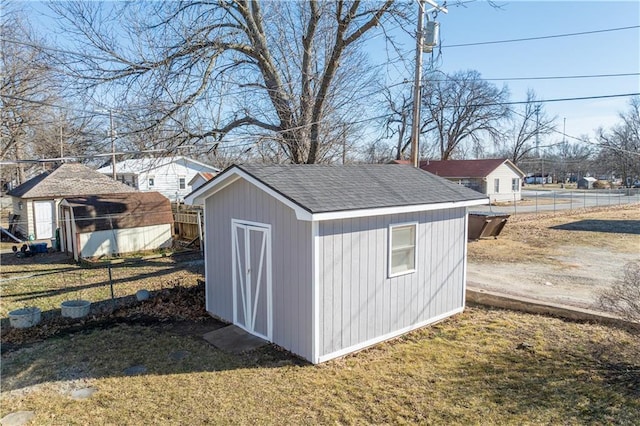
<point x="586" y="182"/>
<point x="36" y="201"/>
<point x="499" y="178"/>
<point x="326" y="260"/>
<point x="169" y="176"/>
<point x="110" y="224"/>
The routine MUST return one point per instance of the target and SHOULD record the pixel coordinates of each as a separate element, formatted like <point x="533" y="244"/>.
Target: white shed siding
<point x="291" y="261"/>
<point x="130" y="240"/>
<point x="505" y="174"/>
<point x="359" y="303"/>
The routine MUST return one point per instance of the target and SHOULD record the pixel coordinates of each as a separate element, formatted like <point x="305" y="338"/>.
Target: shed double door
<point x="252" y="299"/>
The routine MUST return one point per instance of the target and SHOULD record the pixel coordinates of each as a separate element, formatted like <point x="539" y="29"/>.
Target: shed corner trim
<point x="315" y="291"/>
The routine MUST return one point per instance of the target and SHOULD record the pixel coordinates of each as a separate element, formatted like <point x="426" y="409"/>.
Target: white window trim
<point x="390" y="249"/>
<point x="516" y="187"/>
<point x="149" y="184"/>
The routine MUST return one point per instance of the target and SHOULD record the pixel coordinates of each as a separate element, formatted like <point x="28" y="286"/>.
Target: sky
<point x="603" y="52"/>
<point x="610" y="52"/>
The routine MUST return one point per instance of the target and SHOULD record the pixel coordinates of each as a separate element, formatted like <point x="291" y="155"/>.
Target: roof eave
<point x="379" y="211"/>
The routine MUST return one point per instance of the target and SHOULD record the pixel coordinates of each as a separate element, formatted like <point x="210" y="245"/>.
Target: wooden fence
<point x="189" y="227"/>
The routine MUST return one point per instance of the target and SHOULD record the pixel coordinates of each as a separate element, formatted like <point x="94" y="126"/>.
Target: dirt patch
<point x="564" y="259"/>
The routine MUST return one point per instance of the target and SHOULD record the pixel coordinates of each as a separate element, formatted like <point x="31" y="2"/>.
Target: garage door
<point x="43" y="212"/>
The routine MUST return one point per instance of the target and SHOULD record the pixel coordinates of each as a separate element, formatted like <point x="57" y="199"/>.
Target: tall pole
<point x="113" y="147"/>
<point x="417" y="85"/>
<point x="61" y="144"/>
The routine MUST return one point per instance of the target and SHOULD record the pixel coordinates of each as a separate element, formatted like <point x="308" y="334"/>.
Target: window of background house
<point x="402" y="249"/>
<point x="152" y="181"/>
<point x="182" y="184"/>
<point x="496" y="185"/>
<point x="515" y="184"/>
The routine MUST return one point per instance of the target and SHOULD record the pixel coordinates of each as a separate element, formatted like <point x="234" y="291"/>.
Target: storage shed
<point x="326" y="260"/>
<point x="105" y="225"/>
<point x="586" y="182"/>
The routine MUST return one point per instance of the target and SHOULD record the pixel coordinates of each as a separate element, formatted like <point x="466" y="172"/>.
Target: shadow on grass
<point x="189" y="265"/>
<point x="610" y="226"/>
<point x="592" y="385"/>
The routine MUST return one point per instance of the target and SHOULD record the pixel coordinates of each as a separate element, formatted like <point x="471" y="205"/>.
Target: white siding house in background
<point x="500" y="179"/>
<point x="326" y="260"/>
<point x="169" y="176"/>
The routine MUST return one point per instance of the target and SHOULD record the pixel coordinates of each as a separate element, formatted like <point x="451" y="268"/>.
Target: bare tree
<point x="462" y="107"/>
<point x="25" y="90"/>
<point x="290" y="71"/>
<point x="528" y="124"/>
<point x="620" y="146"/>
<point x="398" y="121"/>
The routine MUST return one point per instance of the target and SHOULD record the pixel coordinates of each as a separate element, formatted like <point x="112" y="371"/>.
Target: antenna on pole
<point x="432" y="37"/>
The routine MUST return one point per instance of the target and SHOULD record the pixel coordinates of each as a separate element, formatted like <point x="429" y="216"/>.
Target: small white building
<point x="499" y="179"/>
<point x="170" y="176"/>
<point x="586" y="182"/>
<point x="112" y="224"/>
<point x="326" y="260"/>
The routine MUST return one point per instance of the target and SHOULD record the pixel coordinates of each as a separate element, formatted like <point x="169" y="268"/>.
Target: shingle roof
<point x="69" y="179"/>
<point x="463" y="168"/>
<point x="141" y="165"/>
<point x="324" y="188"/>
<point x="120" y="211"/>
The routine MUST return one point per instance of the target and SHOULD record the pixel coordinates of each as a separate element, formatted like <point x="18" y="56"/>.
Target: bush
<point x="601" y="184"/>
<point x="623" y="298"/>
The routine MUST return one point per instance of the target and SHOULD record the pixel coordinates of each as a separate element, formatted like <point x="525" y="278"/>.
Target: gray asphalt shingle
<point x="325" y="188"/>
<point x="69" y="179"/>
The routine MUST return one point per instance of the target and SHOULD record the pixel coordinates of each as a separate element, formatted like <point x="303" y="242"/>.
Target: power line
<point x="480" y="43"/>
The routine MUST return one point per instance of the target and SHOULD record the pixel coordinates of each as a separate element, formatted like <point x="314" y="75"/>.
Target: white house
<point x="170" y="176"/>
<point x="326" y="260"/>
<point x="499" y="179"/>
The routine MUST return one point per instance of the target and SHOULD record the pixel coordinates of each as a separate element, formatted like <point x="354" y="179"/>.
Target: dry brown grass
<point x="481" y="367"/>
<point x="46" y="280"/>
<point x="536" y="238"/>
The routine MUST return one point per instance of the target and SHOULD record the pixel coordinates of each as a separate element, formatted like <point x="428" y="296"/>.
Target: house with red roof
<point x="500" y="179"/>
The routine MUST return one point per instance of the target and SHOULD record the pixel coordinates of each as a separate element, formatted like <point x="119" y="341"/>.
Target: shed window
<point x="496" y="186"/>
<point x="402" y="249"/>
<point x="182" y="183"/>
<point x="515" y="184"/>
<point x="151" y="181"/>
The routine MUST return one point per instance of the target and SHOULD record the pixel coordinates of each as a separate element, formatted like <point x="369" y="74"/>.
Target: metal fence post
<point x="584" y="202"/>
<point x="570" y="200"/>
<point x="554" y="202"/>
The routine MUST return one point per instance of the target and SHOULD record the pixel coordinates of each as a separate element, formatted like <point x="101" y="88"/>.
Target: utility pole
<point x="113" y="146"/>
<point x="61" y="144"/>
<point x="417" y="80"/>
<point x="417" y="86"/>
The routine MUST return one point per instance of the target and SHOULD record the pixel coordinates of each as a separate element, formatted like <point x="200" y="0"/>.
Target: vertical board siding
<point x="291" y="261"/>
<point x="359" y="302"/>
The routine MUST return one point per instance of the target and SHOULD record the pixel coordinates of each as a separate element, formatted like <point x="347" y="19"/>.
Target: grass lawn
<point x="480" y="367"/>
<point x="46" y="280"/>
